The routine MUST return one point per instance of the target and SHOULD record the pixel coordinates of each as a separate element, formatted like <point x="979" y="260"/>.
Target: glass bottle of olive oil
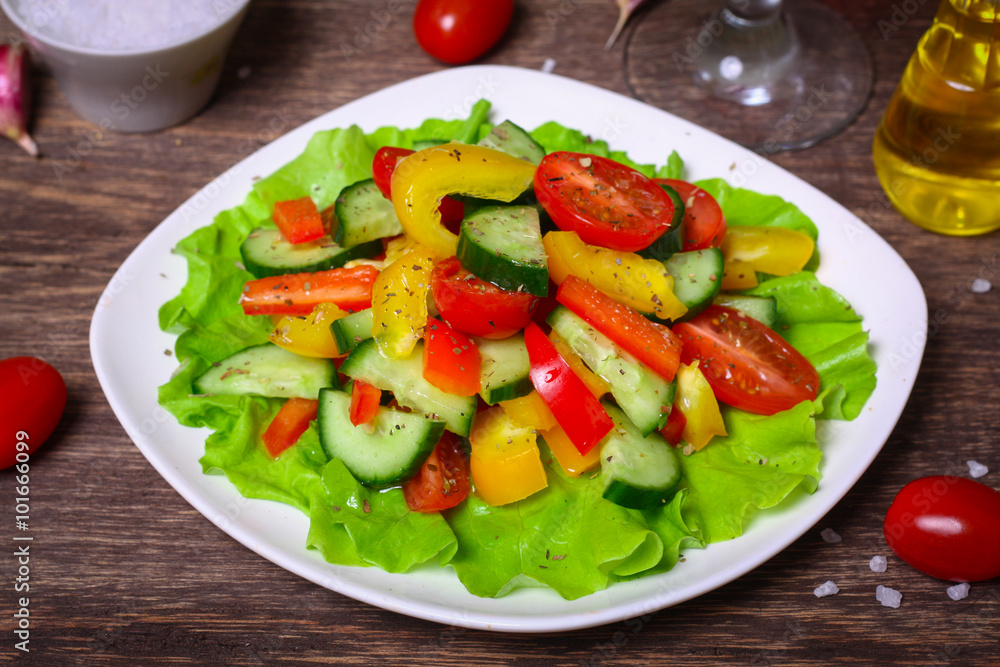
<point x="937" y="150"/>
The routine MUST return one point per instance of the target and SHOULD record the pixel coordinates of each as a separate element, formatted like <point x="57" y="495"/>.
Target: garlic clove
<point x="15" y="96"/>
<point x="625" y="10"/>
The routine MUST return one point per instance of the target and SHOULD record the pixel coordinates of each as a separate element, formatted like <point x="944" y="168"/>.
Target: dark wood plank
<point x="124" y="571"/>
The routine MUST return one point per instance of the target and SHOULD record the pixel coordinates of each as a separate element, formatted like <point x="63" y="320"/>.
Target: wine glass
<point x="768" y="74"/>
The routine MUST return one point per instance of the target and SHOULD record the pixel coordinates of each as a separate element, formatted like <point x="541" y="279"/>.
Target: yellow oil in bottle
<point x="937" y="150"/>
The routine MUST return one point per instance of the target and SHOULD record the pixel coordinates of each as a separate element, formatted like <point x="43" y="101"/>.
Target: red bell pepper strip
<point x="365" y="400"/>
<point x="298" y="293"/>
<point x="289" y="424"/>
<point x="451" y="359"/>
<point x="674" y="428"/>
<point x="386" y="159"/>
<point x="298" y="220"/>
<point x="580" y="415"/>
<point x="653" y="344"/>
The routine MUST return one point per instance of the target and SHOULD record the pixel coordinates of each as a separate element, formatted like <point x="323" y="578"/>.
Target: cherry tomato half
<point x="607" y="203"/>
<point x="384" y="164"/>
<point x="704" y="223"/>
<point x="477" y="307"/>
<point x="443" y="480"/>
<point x="947" y="527"/>
<point x="32" y="399"/>
<point x="748" y="365"/>
<point x="459" y="31"/>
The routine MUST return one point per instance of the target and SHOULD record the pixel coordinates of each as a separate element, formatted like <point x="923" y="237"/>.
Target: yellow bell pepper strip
<point x="398" y="246"/>
<point x="698" y="404"/>
<point x="309" y="335"/>
<point x="738" y="275"/>
<point x="580" y="414"/>
<point x="569" y="457"/>
<point x="421" y="180"/>
<point x="640" y="283"/>
<point x="505" y="462"/>
<point x="399" y="303"/>
<point x="529" y="411"/>
<point x="597" y="385"/>
<point x="776" y="250"/>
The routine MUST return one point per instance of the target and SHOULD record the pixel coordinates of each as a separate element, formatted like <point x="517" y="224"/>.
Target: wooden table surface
<point x="124" y="571"/>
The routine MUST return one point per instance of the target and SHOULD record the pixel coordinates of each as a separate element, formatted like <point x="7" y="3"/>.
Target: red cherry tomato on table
<point x="32" y="399"/>
<point x="947" y="527"/>
<point x="704" y="223"/>
<point x="606" y="203"/>
<point x="477" y="307"/>
<point x="443" y="480"/>
<point x="459" y="31"/>
<point x="748" y="365"/>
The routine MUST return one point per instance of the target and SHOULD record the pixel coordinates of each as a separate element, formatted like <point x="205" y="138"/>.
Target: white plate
<point x="128" y="350"/>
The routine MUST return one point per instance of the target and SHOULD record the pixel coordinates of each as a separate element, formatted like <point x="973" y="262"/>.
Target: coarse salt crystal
<point x="981" y="286"/>
<point x="829" y="588"/>
<point x="958" y="591"/>
<point x="549" y="65"/>
<point x="878" y="564"/>
<point x="830" y="535"/>
<point x="889" y="597"/>
<point x="976" y="469"/>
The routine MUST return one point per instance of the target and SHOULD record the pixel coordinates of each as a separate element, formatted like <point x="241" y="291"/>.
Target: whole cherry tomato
<point x="459" y="31"/>
<point x="32" y="399"/>
<point x="947" y="527"/>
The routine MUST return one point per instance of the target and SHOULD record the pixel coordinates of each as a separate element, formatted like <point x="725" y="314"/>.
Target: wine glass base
<point x="758" y="91"/>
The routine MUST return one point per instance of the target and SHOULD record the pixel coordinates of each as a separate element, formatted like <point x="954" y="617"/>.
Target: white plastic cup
<point x="137" y="90"/>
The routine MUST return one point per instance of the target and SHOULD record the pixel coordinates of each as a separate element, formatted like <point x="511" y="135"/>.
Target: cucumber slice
<point x="405" y="379"/>
<point x="672" y="240"/>
<point x="764" y="309"/>
<point x="268" y="370"/>
<point x="645" y="397"/>
<point x="350" y="330"/>
<point x="637" y="472"/>
<point x="364" y="215"/>
<point x="267" y="253"/>
<point x="514" y="140"/>
<point x="505" y="369"/>
<point x="421" y="144"/>
<point x="387" y="451"/>
<point x="697" y="278"/>
<point x="503" y="245"/>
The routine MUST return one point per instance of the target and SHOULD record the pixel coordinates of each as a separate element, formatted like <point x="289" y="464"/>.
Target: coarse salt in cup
<point x="131" y="65"/>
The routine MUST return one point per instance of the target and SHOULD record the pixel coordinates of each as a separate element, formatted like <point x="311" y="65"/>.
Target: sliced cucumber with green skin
<point x="639" y="472"/>
<point x="764" y="309"/>
<point x="672" y="240"/>
<point x="645" y="397"/>
<point x="364" y="215"/>
<point x="405" y="379"/>
<point x="387" y="451"/>
<point x="350" y="330"/>
<point x="267" y="253"/>
<point x="503" y="245"/>
<point x="268" y="370"/>
<point x="513" y="140"/>
<point x="697" y="278"/>
<point x="421" y="144"/>
<point x="506" y="370"/>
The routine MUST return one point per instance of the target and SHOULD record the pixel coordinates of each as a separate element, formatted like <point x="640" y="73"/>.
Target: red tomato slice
<point x="459" y="31"/>
<point x="365" y="400"/>
<point x="947" y="527"/>
<point x="651" y="343"/>
<point x="386" y="158"/>
<point x="298" y="220"/>
<point x="298" y="293"/>
<point x="748" y="365"/>
<point x="704" y="223"/>
<point x="451" y="360"/>
<point x="578" y="412"/>
<point x="289" y="424"/>
<point x="32" y="400"/>
<point x="477" y="307"/>
<point x="443" y="480"/>
<point x="608" y="204"/>
<point x="674" y="428"/>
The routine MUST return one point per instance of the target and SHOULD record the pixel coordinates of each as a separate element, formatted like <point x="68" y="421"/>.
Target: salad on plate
<point x="517" y="354"/>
